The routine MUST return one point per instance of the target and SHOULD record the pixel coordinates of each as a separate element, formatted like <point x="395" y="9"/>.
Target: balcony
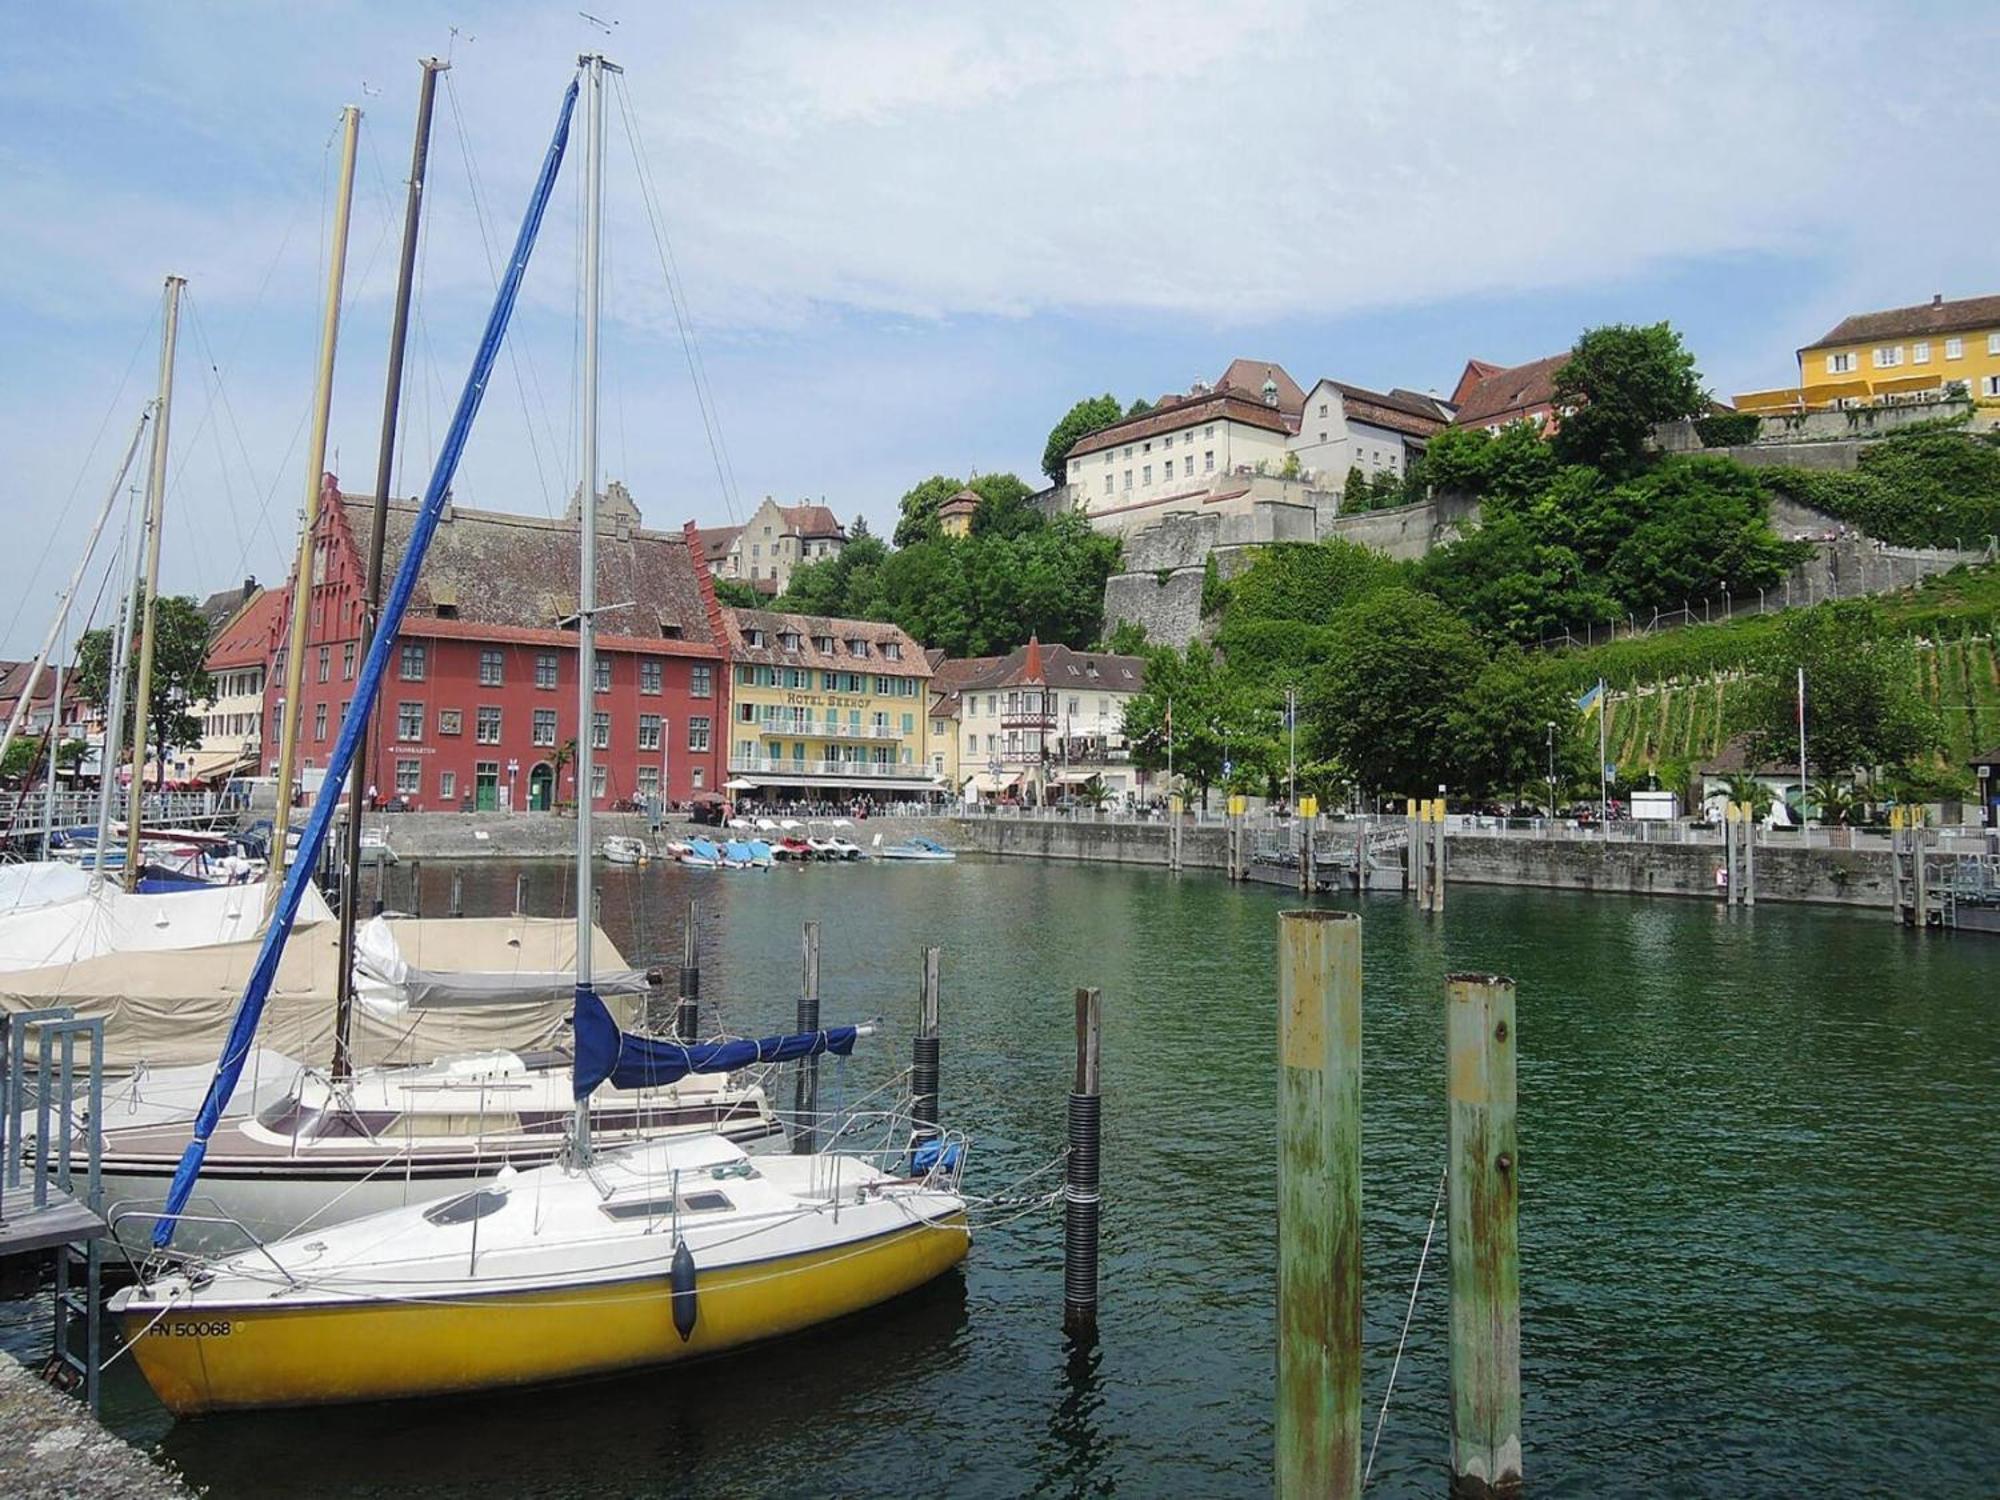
<point x="795" y="730"/>
<point x="824" y="770"/>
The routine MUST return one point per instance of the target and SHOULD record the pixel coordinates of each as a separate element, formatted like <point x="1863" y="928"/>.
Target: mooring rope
<point x="1408" y="1313"/>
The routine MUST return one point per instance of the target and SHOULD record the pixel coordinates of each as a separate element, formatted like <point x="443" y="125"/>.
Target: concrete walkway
<point x="51" y="1446"/>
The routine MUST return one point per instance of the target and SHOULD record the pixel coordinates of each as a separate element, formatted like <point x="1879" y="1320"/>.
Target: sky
<point x="904" y="238"/>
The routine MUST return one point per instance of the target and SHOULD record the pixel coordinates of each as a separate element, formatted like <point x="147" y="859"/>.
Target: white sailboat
<point x="606" y="1260"/>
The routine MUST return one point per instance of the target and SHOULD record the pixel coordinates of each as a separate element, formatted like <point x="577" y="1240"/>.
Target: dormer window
<point x="753" y="637"/>
<point x="856" y="646"/>
<point x="893" y="650"/>
<point x="788" y="640"/>
<point x="447" y="611"/>
<point x="823" y="644"/>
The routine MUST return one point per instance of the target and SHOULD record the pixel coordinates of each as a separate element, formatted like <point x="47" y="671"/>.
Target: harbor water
<point x="1758" y="1191"/>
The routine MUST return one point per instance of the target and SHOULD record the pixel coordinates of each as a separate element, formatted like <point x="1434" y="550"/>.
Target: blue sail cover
<point x="603" y="1052"/>
<point x="243" y="1029"/>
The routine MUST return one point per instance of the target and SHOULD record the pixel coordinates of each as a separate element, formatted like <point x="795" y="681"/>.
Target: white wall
<point x="1137" y="473"/>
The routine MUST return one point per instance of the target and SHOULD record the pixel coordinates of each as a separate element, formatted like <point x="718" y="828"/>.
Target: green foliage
<point x="24" y="758"/>
<point x="1093" y="793"/>
<point x="1863" y="706"/>
<point x="971" y="596"/>
<point x="1214" y="593"/>
<point x="1583" y="550"/>
<point x="1272" y="653"/>
<point x="737" y="593"/>
<point x="1618" y="382"/>
<point x="916" y="512"/>
<point x="1515" y="467"/>
<point x="1354" y="493"/>
<point x="1080" y="421"/>
<point x="180" y="680"/>
<point x="1003" y="507"/>
<point x="1307" y="581"/>
<point x="1127" y="639"/>
<point x="1498" y="730"/>
<point x="1139" y="407"/>
<point x="1730" y="429"/>
<point x="1397" y="665"/>
<point x="1215" y="717"/>
<point x="1936" y="488"/>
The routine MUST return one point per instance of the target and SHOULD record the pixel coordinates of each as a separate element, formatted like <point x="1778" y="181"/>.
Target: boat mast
<point x="55" y="730"/>
<point x="68" y="596"/>
<point x="357" y="784"/>
<point x="594" y="67"/>
<point x="156" y="499"/>
<point x="121" y="667"/>
<point x="303" y="578"/>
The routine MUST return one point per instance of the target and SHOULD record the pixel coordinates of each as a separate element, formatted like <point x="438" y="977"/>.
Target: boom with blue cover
<point x="243" y="1030"/>
<point x="604" y="1053"/>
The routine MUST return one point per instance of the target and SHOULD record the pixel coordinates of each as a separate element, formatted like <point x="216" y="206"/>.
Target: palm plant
<point x="1094" y="793"/>
<point x="1743" y="788"/>
<point x="1836" y="802"/>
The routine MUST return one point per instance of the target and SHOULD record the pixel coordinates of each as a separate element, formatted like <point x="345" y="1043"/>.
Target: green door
<point x="486" y="786"/>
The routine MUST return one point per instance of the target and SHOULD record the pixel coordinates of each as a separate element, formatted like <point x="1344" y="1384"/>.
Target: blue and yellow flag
<point x="1591" y="701"/>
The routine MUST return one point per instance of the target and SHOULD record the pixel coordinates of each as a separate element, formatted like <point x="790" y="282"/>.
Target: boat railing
<point x="145" y="1269"/>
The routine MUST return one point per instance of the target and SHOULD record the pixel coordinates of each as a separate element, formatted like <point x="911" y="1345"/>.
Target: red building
<point x="1492" y="396"/>
<point x="478" y="707"/>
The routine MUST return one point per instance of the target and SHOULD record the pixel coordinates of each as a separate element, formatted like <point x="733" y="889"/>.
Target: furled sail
<point x="603" y="1052"/>
<point x="333" y="788"/>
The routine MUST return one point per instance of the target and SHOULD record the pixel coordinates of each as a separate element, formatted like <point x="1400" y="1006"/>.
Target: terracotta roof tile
<point x="1215" y="407"/>
<point x="909" y="660"/>
<point x="243" y="639"/>
<point x="1513" y="392"/>
<point x="1933" y="317"/>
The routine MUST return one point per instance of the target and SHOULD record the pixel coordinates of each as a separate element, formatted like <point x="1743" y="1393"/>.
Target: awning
<point x="830" y="781"/>
<point x="1075" y="778"/>
<point x="219" y="763"/>
<point x="986" y="782"/>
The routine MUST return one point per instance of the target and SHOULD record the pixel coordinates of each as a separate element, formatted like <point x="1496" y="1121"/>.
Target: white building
<point x="1346" y="427"/>
<point x="775" y="540"/>
<point x="1034" y="724"/>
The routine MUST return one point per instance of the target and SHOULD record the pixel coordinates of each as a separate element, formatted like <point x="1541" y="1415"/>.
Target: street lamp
<point x="1552" y="770"/>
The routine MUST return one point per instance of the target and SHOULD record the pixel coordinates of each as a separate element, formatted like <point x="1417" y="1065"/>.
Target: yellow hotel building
<point x="825" y="709"/>
<point x="1901" y="354"/>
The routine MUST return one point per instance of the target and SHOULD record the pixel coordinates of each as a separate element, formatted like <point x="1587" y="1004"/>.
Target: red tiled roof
<point x="812" y="521"/>
<point x="1505" y="395"/>
<point x="1248" y="376"/>
<point x="1404" y="412"/>
<point x="1932" y="317"/>
<point x="244" y="637"/>
<point x="717" y="540"/>
<point x="1216" y="406"/>
<point x="1475" y="371"/>
<point x="910" y="660"/>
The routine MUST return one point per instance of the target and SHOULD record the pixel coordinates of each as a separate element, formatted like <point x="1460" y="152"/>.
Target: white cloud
<point x="1177" y="164"/>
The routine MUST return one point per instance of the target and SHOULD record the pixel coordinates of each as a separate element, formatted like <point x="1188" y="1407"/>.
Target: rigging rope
<point x="1403" y="1338"/>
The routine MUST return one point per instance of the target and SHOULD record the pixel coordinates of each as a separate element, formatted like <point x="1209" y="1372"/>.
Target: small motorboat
<point x="794" y="849"/>
<point x="622" y="849"/>
<point x="830" y="844"/>
<point x="703" y="854"/>
<point x="916" y="847"/>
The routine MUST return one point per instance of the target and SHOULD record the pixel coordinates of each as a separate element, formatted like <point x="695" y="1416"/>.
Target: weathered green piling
<point x="1485" y="1255"/>
<point x="1319" y="1205"/>
<point x="1080" y="1174"/>
<point x="805" y="1095"/>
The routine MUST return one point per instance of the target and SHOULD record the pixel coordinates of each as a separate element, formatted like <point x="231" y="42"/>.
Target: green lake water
<point x="1758" y="1191"/>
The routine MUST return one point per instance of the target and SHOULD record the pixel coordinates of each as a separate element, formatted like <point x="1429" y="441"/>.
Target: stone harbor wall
<point x="1406" y="532"/>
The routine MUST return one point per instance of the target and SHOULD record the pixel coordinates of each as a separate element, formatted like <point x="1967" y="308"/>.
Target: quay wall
<point x="52" y="1448"/>
<point x="1837" y="877"/>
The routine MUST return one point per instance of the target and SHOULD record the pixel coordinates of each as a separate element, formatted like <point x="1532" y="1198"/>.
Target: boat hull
<point x="226" y="1357"/>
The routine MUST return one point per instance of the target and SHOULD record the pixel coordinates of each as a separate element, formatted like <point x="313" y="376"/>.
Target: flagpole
<point x="1805" y="826"/>
<point x="1603" y="776"/>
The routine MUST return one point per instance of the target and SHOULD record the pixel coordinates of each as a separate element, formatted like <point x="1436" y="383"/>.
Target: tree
<point x="1214" y="718"/>
<point x="1499" y="733"/>
<point x="180" y="680"/>
<point x="842" y="585"/>
<point x="1127" y="638"/>
<point x="917" y="510"/>
<point x="860" y="531"/>
<point x="1094" y="793"/>
<point x="1307" y="581"/>
<point x="1618" y="382"/>
<point x="1863" y="706"/>
<point x="1398" y="663"/>
<point x="1088" y="415"/>
<point x="738" y="594"/>
<point x="1139" y="407"/>
<point x="1003" y="506"/>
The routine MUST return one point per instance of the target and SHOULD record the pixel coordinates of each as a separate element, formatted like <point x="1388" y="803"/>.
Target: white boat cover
<point x="172" y="1009"/>
<point x="383" y="975"/>
<point x="102" y="918"/>
<point x="41" y="882"/>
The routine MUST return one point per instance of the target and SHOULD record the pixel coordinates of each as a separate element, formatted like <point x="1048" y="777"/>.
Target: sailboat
<point x="604" y="1261"/>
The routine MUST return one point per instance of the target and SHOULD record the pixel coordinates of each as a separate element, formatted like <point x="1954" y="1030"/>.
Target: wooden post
<point x="520" y="893"/>
<point x="1413" y="865"/>
<point x="1919" y="876"/>
<point x="1485" y="1258"/>
<point x="687" y="1012"/>
<point x="457" y="894"/>
<point x="416" y="888"/>
<point x="924" y="1056"/>
<point x="1749" y="896"/>
<point x="1319" y="1205"/>
<point x="805" y="1095"/>
<point x="1080" y="1179"/>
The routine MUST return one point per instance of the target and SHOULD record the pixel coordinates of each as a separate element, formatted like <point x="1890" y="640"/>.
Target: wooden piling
<point x="1749" y="896"/>
<point x="416" y="887"/>
<point x="1080" y="1179"/>
<point x="457" y="894"/>
<point x="1319" y="1205"/>
<point x="1482" y="1229"/>
<point x="1413" y="863"/>
<point x="687" y="1009"/>
<point x="805" y="1093"/>
<point x="1438" y="860"/>
<point x="924" y="1081"/>
<point x="520" y="893"/>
